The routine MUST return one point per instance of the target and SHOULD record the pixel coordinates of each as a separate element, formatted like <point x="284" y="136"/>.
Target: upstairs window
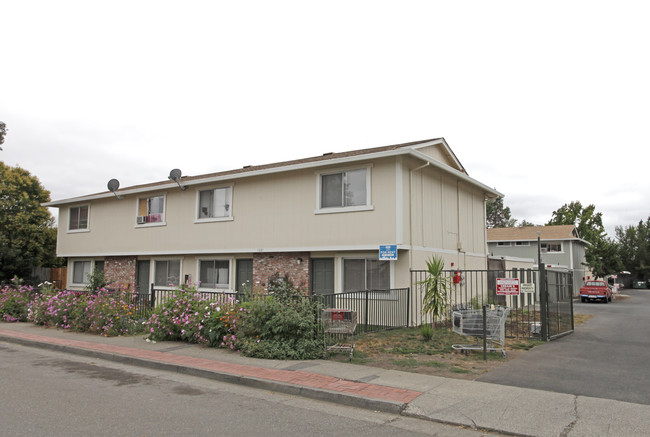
<point x="346" y="190"/>
<point x="551" y="247"/>
<point x="214" y="204"/>
<point x="78" y="218"/>
<point x="151" y="210"/>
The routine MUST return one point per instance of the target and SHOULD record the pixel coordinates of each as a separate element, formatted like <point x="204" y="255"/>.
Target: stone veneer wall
<point x="294" y="265"/>
<point x="120" y="271"/>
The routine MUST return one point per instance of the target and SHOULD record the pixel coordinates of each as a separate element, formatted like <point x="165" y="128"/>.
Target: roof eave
<point x="409" y="150"/>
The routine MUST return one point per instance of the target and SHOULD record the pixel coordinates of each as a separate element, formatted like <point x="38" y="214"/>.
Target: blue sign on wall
<point x="388" y="252"/>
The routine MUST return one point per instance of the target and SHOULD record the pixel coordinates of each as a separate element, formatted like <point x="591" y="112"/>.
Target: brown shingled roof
<point x="529" y="233"/>
<point x="252" y="168"/>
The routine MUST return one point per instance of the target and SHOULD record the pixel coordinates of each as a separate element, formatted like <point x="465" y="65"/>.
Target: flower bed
<point x="101" y="312"/>
<point x="281" y="325"/>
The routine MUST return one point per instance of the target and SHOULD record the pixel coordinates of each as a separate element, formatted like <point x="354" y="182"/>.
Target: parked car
<point x="593" y="290"/>
<point x="639" y="284"/>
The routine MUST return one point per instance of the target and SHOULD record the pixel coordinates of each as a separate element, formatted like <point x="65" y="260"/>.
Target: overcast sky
<point x="548" y="102"/>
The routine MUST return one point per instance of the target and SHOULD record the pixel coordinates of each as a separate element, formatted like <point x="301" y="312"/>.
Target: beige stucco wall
<point x="448" y="217"/>
<point x="427" y="212"/>
<point x="271" y="213"/>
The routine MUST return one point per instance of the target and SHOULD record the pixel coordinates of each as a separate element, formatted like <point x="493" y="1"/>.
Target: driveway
<point x="606" y="357"/>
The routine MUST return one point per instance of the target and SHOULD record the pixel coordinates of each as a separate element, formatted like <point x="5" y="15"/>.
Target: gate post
<point x="543" y="301"/>
<point x="152" y="297"/>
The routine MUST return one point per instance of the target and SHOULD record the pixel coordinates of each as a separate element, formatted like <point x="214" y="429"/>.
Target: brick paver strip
<point x="296" y="377"/>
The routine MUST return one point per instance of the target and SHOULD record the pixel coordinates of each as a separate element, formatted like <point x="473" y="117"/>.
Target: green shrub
<point x="427" y="332"/>
<point x="280" y="326"/>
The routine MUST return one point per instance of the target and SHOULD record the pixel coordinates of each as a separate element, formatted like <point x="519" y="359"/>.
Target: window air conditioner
<point x="142" y="219"/>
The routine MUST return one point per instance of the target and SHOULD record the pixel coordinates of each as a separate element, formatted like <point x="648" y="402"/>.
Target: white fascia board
<point x="513" y="258"/>
<point x="460" y="175"/>
<point x="359" y="248"/>
<point x="230" y="177"/>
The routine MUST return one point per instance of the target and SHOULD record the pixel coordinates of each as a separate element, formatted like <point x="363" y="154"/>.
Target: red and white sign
<point x="508" y="286"/>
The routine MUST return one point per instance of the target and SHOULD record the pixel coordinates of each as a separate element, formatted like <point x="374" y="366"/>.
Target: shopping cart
<point x="338" y="329"/>
<point x="469" y="322"/>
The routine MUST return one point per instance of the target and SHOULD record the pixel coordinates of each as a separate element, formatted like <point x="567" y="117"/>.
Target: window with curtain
<point x="167" y="273"/>
<point x="344" y="189"/>
<point x="80" y="271"/>
<point x="151" y="210"/>
<point x="215" y="203"/>
<point x="214" y="273"/>
<point x="366" y="274"/>
<point x="78" y="218"/>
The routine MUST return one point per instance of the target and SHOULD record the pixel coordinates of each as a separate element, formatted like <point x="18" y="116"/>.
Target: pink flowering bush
<point x="181" y="317"/>
<point x="14" y="302"/>
<point x="279" y="326"/>
<point x="104" y="312"/>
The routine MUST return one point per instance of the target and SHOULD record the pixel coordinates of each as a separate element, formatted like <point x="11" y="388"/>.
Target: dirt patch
<point x="407" y="350"/>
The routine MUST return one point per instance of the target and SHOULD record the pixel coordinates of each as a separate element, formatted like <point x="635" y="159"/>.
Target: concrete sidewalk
<point x="512" y="410"/>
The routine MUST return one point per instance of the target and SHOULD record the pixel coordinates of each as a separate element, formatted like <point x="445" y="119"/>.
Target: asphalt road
<point x="606" y="357"/>
<point x="48" y="393"/>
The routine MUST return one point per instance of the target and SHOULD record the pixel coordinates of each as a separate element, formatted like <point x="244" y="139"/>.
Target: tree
<point x="497" y="215"/>
<point x="601" y="254"/>
<point x="525" y="223"/>
<point x="588" y="222"/>
<point x="3" y="132"/>
<point x="27" y="235"/>
<point x="634" y="248"/>
<point x="603" y="258"/>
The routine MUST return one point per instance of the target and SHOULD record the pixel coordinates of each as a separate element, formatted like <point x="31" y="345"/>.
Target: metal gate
<point x="543" y="309"/>
<point x="556" y="303"/>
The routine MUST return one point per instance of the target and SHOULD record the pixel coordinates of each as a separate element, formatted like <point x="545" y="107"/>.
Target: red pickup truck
<point x="596" y="290"/>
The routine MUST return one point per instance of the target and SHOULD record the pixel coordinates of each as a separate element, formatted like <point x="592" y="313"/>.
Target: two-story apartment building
<point x="560" y="246"/>
<point x="319" y="220"/>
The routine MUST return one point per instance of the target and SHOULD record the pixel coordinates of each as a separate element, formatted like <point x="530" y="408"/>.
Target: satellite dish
<point x="113" y="185"/>
<point x="175" y="175"/>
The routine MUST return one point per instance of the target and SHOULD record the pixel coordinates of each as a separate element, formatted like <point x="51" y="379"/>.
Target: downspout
<point x="459" y="244"/>
<point x="411" y="210"/>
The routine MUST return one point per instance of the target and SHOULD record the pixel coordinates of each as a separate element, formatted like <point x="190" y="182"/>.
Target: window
<point x="366" y="274"/>
<point x="503" y="243"/>
<point x="80" y="271"/>
<point x="151" y="210"/>
<point x="167" y="273"/>
<point x="214" y="273"/>
<point x="551" y="247"/>
<point x="345" y="189"/>
<point x="214" y="204"/>
<point x="78" y="218"/>
<point x="522" y="243"/>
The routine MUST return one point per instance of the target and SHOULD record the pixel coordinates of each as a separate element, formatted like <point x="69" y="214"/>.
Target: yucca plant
<point x="436" y="288"/>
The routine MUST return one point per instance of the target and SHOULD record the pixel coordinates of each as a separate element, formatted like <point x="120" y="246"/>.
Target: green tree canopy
<point x="498" y="215"/>
<point x="588" y="222"/>
<point x="601" y="254"/>
<point x="27" y="235"/>
<point x="3" y="132"/>
<point x="634" y="248"/>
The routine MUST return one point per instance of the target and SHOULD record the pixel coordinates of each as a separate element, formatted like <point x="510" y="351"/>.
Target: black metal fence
<point x="544" y="301"/>
<point x="376" y="309"/>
